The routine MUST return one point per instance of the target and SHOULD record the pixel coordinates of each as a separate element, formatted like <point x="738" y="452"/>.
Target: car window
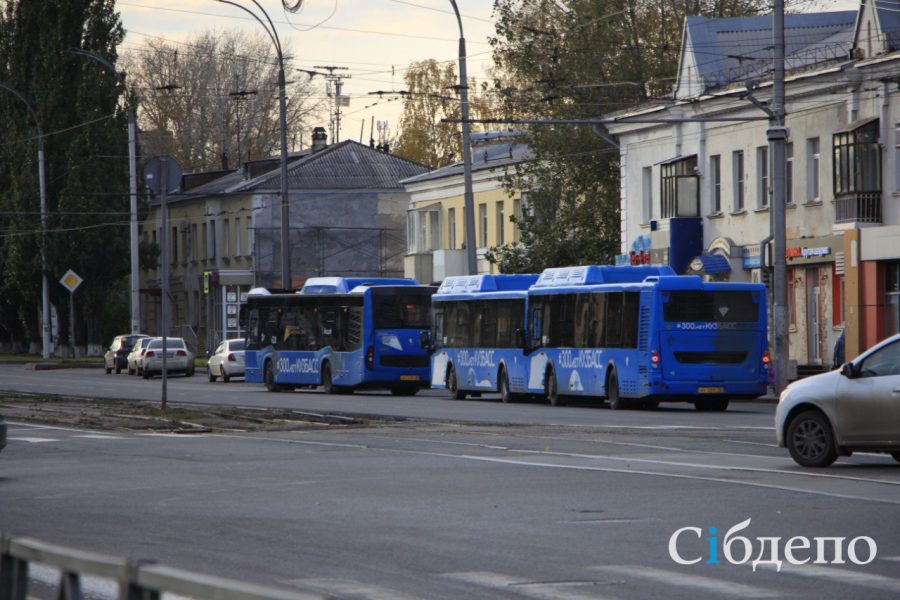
<point x="885" y="361"/>
<point x="220" y="349"/>
<point x="171" y="343"/>
<point x="236" y="345"/>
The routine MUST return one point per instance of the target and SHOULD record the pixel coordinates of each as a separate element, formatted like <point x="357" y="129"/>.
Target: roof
<point x="730" y="50"/>
<point x="490" y="156"/>
<point x="347" y="165"/>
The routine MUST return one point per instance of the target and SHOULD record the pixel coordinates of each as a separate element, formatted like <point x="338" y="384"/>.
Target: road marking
<point x="553" y="590"/>
<point x="347" y="588"/>
<point x="52" y="427"/>
<point x="717" y="587"/>
<point x="858" y="578"/>
<point x="99" y="436"/>
<point x="32" y="440"/>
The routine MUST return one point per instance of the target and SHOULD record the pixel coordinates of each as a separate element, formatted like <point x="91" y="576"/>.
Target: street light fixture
<point x="469" y="201"/>
<point x="131" y="103"/>
<point x="45" y="290"/>
<point x="282" y="123"/>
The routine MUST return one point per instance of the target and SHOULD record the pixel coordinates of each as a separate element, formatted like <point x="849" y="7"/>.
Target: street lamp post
<point x="471" y="256"/>
<point x="132" y="170"/>
<point x="282" y="123"/>
<point x="45" y="290"/>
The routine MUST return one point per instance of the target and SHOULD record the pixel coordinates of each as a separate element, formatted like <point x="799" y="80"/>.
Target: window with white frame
<point x="501" y="223"/>
<point x="715" y="183"/>
<point x="762" y="177"/>
<point x="483" y="220"/>
<point x="226" y="231"/>
<point x="647" y="195"/>
<point x="789" y="173"/>
<point x="737" y="170"/>
<point x="212" y="239"/>
<point x="237" y="236"/>
<point x="812" y="170"/>
<point x="451" y="228"/>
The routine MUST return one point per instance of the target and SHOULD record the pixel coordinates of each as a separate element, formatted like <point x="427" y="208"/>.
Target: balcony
<point x="858" y="207"/>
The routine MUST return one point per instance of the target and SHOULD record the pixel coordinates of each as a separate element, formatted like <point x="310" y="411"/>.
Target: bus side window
<point x="253" y="329"/>
<point x="613" y="320"/>
<point x="438" y="337"/>
<point x="537" y="325"/>
<point x="630" y="312"/>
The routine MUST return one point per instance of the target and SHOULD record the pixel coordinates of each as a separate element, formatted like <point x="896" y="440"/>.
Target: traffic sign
<point x="71" y="280"/>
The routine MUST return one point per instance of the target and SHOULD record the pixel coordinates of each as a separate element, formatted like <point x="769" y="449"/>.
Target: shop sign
<point x="806" y="252"/>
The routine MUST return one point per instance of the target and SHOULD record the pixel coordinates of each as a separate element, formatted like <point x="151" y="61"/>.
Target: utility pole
<point x="777" y="135"/>
<point x="336" y="82"/>
<point x="239" y="97"/>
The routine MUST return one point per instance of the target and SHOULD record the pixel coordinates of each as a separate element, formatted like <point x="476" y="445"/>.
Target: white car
<point x="178" y="358"/>
<point x="227" y="361"/>
<point x="136" y="356"/>
<point x="855" y="408"/>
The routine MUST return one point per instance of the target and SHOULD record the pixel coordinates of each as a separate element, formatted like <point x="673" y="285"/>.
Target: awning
<point x="709" y="264"/>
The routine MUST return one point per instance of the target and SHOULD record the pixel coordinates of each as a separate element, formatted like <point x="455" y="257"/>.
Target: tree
<point x="77" y="105"/>
<point x="430" y="97"/>
<point x="212" y="102"/>
<point x="577" y="59"/>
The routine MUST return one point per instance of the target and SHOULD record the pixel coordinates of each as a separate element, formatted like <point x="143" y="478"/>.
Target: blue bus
<point x="478" y="335"/>
<point x="638" y="335"/>
<point x="341" y="333"/>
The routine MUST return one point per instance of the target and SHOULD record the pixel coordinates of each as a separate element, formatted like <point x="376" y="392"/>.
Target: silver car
<point x="179" y="359"/>
<point x="854" y="408"/>
<point x="227" y="361"/>
<point x="136" y="356"/>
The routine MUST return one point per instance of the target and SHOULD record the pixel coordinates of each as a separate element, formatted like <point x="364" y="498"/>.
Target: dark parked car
<point x="117" y="355"/>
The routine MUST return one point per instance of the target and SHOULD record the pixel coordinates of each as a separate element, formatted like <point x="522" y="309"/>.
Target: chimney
<point x="319" y="139"/>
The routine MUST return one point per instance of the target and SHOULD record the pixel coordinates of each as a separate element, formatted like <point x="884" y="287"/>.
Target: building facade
<point x="347" y="218"/>
<point x="696" y="193"/>
<point x="436" y="220"/>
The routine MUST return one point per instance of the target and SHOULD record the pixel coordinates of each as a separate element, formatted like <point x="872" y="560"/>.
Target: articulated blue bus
<point x="478" y="333"/>
<point x="640" y="335"/>
<point x="341" y="333"/>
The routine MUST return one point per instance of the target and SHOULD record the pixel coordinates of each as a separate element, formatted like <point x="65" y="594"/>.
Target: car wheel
<point x="810" y="440"/>
<point x="145" y="374"/>
<point x="551" y="388"/>
<point x="503" y="383"/>
<point x="453" y="385"/>
<point x="189" y="372"/>
<point x="269" y="378"/>
<point x="108" y="370"/>
<point x="209" y="373"/>
<point x="225" y="376"/>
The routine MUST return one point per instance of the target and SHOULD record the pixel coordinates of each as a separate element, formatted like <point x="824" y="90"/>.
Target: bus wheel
<point x="503" y="384"/>
<point x="453" y="385"/>
<point x="327" y="386"/>
<point x="616" y="402"/>
<point x="269" y="378"/>
<point x="552" y="389"/>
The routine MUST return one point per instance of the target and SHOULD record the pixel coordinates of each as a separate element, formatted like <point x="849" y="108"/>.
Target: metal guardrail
<point x="137" y="580"/>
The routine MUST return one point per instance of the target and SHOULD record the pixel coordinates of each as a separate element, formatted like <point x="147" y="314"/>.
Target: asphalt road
<point x="520" y="501"/>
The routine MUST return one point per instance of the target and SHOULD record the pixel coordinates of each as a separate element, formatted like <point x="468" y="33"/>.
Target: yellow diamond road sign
<point x="71" y="280"/>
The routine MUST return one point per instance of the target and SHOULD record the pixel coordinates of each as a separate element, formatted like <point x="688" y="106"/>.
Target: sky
<point x="375" y="40"/>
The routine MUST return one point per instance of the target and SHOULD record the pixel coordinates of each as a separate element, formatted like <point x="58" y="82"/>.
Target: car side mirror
<point x="848" y="371"/>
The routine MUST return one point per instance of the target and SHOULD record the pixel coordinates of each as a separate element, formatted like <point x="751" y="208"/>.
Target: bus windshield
<point x="710" y="307"/>
<point x="395" y="308"/>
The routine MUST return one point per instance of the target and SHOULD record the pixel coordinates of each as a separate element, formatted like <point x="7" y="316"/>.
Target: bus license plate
<point x="711" y="390"/>
<point x="409" y="378"/>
